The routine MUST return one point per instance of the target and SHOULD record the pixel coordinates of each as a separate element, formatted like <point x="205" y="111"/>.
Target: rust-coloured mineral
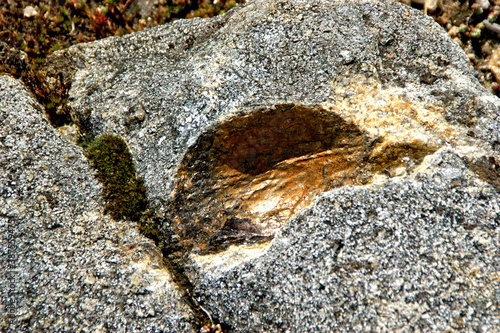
<point x="246" y="177"/>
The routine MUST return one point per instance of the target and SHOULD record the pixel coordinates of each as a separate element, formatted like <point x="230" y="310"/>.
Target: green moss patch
<point x="124" y="193"/>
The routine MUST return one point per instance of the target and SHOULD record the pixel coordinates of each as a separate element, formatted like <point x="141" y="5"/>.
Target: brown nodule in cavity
<point x="245" y="178"/>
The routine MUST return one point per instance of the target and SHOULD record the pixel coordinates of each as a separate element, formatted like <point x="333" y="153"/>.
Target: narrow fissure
<point x="125" y="198"/>
<point x="243" y="180"/>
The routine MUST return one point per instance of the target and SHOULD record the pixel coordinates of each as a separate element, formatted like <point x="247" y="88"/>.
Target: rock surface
<point x="162" y="88"/>
<point x="418" y="253"/>
<point x="65" y="266"/>
<point x="327" y="165"/>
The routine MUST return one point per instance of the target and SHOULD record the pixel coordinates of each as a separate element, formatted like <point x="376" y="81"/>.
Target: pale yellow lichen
<point x="382" y="112"/>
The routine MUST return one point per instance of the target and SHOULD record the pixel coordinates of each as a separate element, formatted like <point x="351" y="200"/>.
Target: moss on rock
<point x="124" y="193"/>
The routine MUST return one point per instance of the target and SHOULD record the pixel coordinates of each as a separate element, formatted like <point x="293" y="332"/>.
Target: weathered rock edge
<point x="65" y="266"/>
<point x="161" y="89"/>
<point x="416" y="253"/>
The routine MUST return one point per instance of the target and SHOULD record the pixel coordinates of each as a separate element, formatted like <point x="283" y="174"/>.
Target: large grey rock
<point x="65" y="266"/>
<point x="354" y="132"/>
<point x="160" y="89"/>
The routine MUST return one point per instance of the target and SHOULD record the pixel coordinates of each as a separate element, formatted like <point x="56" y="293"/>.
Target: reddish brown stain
<point x="245" y="178"/>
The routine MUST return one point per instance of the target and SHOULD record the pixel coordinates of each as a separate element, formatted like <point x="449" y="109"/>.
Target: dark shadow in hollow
<point x="255" y="143"/>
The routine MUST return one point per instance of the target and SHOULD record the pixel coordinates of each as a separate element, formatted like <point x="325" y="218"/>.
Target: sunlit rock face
<point x="65" y="265"/>
<point x="324" y="165"/>
<point x="162" y="89"/>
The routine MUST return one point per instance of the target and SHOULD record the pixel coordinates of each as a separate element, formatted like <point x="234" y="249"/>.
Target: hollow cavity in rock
<point x="243" y="179"/>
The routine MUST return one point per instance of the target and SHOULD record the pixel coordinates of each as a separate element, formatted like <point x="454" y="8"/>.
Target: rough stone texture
<point x="410" y="254"/>
<point x="161" y="88"/>
<point x="403" y="238"/>
<point x="64" y="266"/>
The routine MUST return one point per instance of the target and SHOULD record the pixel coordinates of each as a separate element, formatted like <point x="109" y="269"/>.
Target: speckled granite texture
<point x="65" y="266"/>
<point x="405" y="238"/>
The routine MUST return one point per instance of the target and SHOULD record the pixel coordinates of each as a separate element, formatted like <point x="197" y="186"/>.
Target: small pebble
<point x="30" y="11"/>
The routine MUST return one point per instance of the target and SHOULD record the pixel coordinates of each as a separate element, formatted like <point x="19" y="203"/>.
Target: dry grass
<point x="475" y="26"/>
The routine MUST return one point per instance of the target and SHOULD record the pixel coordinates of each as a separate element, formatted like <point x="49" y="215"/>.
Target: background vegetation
<point x="30" y="30"/>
